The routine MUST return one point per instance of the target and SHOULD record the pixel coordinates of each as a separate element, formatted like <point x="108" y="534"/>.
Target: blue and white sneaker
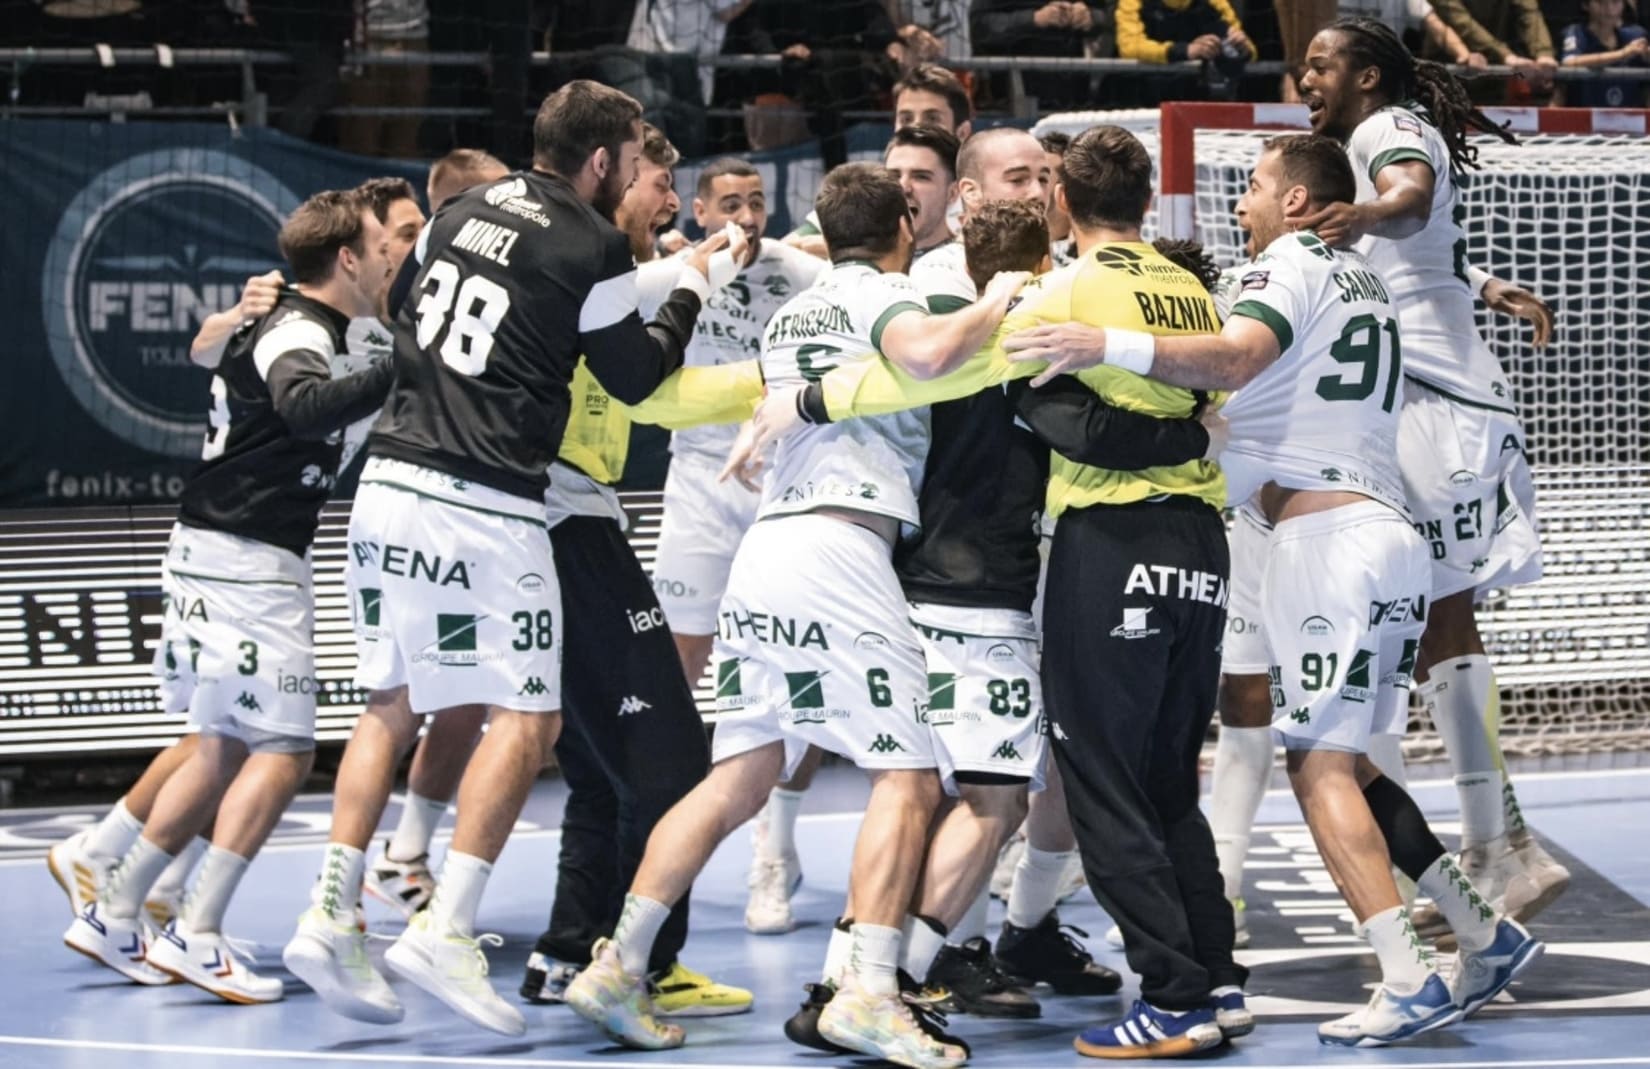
<point x="1480" y="975"/>
<point x="1391" y="1017"/>
<point x="121" y="943"/>
<point x="1148" y="1032"/>
<point x="1232" y="1012"/>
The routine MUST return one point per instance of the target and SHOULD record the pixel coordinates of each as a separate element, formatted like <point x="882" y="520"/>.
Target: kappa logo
<point x="1006" y="752"/>
<point x="533" y="688"/>
<point x="1301" y="716"/>
<point x="248" y="702"/>
<point x="1059" y="732"/>
<point x="1330" y="475"/>
<point x="632" y="705"/>
<point x="887" y="744"/>
<point x="1134" y="624"/>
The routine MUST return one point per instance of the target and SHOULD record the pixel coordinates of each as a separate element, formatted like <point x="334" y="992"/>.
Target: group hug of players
<point x="860" y="566"/>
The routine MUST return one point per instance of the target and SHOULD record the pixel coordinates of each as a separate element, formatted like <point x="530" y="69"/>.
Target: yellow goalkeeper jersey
<point x="1126" y="284"/>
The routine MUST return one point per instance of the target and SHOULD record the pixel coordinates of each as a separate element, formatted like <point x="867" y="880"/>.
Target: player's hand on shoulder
<point x="259" y="296"/>
<point x="1511" y="299"/>
<point x="1337" y="225"/>
<point x="1004" y="287"/>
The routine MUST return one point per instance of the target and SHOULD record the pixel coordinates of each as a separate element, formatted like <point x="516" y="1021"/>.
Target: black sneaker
<point x="1049" y="955"/>
<point x="927" y="1008"/>
<point x="977" y="986"/>
<point x="803" y="1026"/>
<point x="545" y="980"/>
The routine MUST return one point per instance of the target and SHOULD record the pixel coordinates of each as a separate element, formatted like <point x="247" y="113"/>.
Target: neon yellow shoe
<point x="681" y="992"/>
<point x="617" y="1003"/>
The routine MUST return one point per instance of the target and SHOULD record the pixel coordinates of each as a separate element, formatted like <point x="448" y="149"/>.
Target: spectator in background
<point x="1602" y="41"/>
<point x="1420" y="28"/>
<point x="1512" y="32"/>
<point x="697" y="27"/>
<point x="1044" y="28"/>
<point x="401" y="27"/>
<point x="1172" y="31"/>
<point x="931" y="30"/>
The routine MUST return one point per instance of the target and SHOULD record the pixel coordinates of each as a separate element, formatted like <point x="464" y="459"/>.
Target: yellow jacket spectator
<point x="1171" y="31"/>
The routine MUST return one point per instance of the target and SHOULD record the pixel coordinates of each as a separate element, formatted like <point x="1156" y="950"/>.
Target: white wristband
<point x="1131" y="350"/>
<point x="691" y="279"/>
<point x="1477" y="279"/>
<point x="723" y="268"/>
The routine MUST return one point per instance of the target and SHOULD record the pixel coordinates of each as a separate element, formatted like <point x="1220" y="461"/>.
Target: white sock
<point x="338" y="890"/>
<point x="1470" y="917"/>
<point x="1243" y="768"/>
<point x="176" y="877"/>
<point x="221" y="873"/>
<point x="457" y="895"/>
<point x="972" y="924"/>
<point x="837" y="952"/>
<point x="1036" y="887"/>
<point x="130" y="884"/>
<point x="1405" y="960"/>
<point x="112" y="836"/>
<point x="920" y="943"/>
<point x="419" y="818"/>
<point x="638" y="927"/>
<point x="1387" y="751"/>
<point x="1458" y="693"/>
<point x="874" y="958"/>
<point x="783" y="807"/>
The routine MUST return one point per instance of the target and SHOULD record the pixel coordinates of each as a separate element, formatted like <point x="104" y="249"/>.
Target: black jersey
<point x="516" y="279"/>
<point x="275" y="426"/>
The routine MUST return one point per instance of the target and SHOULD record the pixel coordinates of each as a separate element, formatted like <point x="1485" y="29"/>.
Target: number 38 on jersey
<point x="462" y="313"/>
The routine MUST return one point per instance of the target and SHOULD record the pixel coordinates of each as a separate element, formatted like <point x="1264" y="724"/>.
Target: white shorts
<point x="453" y="592"/>
<point x="1243" y="651"/>
<point x="703" y="523"/>
<point x="1344" y="603"/>
<point x="814" y="646"/>
<point x="1470" y="492"/>
<point x="237" y="638"/>
<point x="985" y="696"/>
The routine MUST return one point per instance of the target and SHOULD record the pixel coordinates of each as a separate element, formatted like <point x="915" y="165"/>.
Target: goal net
<point x="1565" y="213"/>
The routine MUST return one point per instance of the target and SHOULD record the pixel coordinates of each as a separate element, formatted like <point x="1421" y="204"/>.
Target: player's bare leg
<point x="366" y="773"/>
<point x="253" y="805"/>
<point x="400" y="877"/>
<point x="694" y="650"/>
<point x="776" y="869"/>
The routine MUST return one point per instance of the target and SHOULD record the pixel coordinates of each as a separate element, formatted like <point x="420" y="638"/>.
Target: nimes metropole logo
<point x="127" y="282"/>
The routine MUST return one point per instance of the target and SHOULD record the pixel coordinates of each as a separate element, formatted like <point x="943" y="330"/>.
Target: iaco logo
<point x="147" y="250"/>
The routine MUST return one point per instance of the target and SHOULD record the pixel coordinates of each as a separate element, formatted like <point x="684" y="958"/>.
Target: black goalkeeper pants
<point x="1133" y="617"/>
<point x="632" y="742"/>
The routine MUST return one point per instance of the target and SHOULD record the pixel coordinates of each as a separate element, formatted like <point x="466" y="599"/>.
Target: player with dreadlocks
<point x="1405" y="123"/>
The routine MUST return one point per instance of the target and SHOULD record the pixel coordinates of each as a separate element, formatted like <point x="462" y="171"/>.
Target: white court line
<point x="650" y="1062"/>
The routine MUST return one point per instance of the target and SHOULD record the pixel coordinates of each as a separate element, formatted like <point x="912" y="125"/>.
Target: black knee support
<point x="1409" y="840"/>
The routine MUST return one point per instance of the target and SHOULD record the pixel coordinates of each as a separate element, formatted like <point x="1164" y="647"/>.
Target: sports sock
<point x="874" y="958"/>
<point x="112" y="836"/>
<point x="1405" y="961"/>
<point x="338" y="889"/>
<point x="1470" y="917"/>
<point x="838" y="950"/>
<point x="221" y="873"/>
<point x="1457" y="693"/>
<point x="1243" y="766"/>
<point x="638" y="927"/>
<point x="1036" y="887"/>
<point x="458" y="893"/>
<point x="175" y="879"/>
<point x="130" y="884"/>
<point x="419" y="818"/>
<point x="972" y="924"/>
<point x="783" y="808"/>
<point x="921" y="942"/>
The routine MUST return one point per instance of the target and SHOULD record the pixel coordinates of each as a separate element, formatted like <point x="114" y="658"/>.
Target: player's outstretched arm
<point x="928" y="346"/>
<point x="1509" y="298"/>
<point x="257" y="299"/>
<point x="1402" y="206"/>
<point x="311" y="402"/>
<point x="695" y="396"/>
<point x="1077" y="423"/>
<point x="628" y="358"/>
<point x="1243" y="349"/>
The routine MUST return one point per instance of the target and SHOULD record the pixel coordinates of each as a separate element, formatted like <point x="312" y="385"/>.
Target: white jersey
<point x="1426" y="272"/>
<point x="1324" y="415"/>
<point x="941" y="276"/>
<point x="366" y="341"/>
<point x="870" y="465"/>
<point x="730" y="329"/>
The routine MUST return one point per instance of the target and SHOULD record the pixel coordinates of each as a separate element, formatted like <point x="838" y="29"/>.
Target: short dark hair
<point x="1318" y="163"/>
<point x="380" y="193"/>
<point x="1108" y="178"/>
<point x="933" y="78"/>
<point x="323" y="224"/>
<point x="936" y="139"/>
<point x="579" y="118"/>
<point x="860" y="206"/>
<point x="727" y="166"/>
<point x="1004" y="235"/>
<point x="1055" y="141"/>
<point x="657" y="149"/>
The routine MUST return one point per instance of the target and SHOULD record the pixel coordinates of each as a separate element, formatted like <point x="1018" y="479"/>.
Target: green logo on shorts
<point x="248" y="702"/>
<point x="727" y="678"/>
<point x="1007" y="752"/>
<point x="886" y="744"/>
<point x="942" y="691"/>
<point x="807" y="689"/>
<point x="455" y="632"/>
<point x="533" y="687"/>
<point x="1301" y="716"/>
<point x="1357" y="687"/>
<point x="370" y="599"/>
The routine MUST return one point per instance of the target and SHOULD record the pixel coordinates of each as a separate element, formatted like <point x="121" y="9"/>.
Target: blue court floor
<point x="1586" y="1004"/>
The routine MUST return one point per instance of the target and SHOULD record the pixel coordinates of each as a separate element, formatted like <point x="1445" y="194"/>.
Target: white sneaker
<point x="617" y="1002"/>
<point x="162" y="910"/>
<point x="1008" y="859"/>
<point x="1539" y="880"/>
<point x="453" y="968"/>
<point x="211" y="962"/>
<point x="117" y="942"/>
<point x="330" y="955"/>
<point x="80" y="874"/>
<point x="772" y="883"/>
<point x="1391" y="1017"/>
<point x="1480" y="975"/>
<point x="404" y="886"/>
